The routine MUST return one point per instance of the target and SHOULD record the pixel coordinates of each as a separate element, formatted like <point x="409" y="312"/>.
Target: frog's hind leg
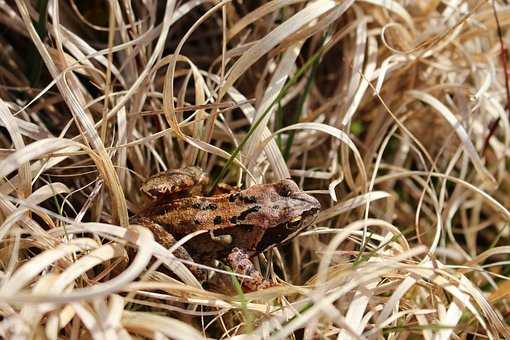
<point x="172" y="184"/>
<point x="240" y="262"/>
<point x="167" y="240"/>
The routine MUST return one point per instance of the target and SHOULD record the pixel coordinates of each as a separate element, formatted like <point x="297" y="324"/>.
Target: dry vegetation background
<point x="393" y="113"/>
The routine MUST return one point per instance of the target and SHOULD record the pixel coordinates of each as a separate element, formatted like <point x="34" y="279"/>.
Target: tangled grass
<point x="393" y="113"/>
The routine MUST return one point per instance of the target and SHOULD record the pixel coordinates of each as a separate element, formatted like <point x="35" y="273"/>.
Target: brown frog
<point x="240" y="223"/>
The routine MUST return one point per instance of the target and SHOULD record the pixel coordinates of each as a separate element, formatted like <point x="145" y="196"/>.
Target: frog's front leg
<point x="167" y="240"/>
<point x="240" y="263"/>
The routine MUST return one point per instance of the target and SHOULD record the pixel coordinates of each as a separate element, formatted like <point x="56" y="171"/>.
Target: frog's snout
<point x="310" y="202"/>
<point x="301" y="208"/>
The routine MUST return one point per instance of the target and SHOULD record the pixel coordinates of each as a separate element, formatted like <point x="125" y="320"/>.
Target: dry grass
<point x="382" y="109"/>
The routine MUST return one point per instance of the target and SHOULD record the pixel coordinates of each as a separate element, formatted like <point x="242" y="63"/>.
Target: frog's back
<point x="187" y="215"/>
<point x="216" y="214"/>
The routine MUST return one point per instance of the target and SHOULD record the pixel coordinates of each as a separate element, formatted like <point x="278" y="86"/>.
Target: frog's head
<point x="293" y="210"/>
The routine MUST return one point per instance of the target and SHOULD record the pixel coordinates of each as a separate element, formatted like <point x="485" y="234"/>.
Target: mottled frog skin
<point x="240" y="223"/>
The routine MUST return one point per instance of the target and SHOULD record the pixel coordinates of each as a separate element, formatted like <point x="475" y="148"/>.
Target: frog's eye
<point x="285" y="191"/>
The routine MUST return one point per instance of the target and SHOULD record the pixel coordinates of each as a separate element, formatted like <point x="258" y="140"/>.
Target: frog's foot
<point x="167" y="240"/>
<point x="241" y="264"/>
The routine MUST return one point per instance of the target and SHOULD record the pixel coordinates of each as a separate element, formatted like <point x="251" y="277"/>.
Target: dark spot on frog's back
<point x="217" y="219"/>
<point x="233" y="219"/>
<point x="196" y="205"/>
<point x="248" y="211"/>
<point x="212" y="206"/>
<point x="249" y="199"/>
<point x="232" y="197"/>
<point x="285" y="191"/>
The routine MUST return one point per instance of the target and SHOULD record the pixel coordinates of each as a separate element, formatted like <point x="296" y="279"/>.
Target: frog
<point x="238" y="224"/>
